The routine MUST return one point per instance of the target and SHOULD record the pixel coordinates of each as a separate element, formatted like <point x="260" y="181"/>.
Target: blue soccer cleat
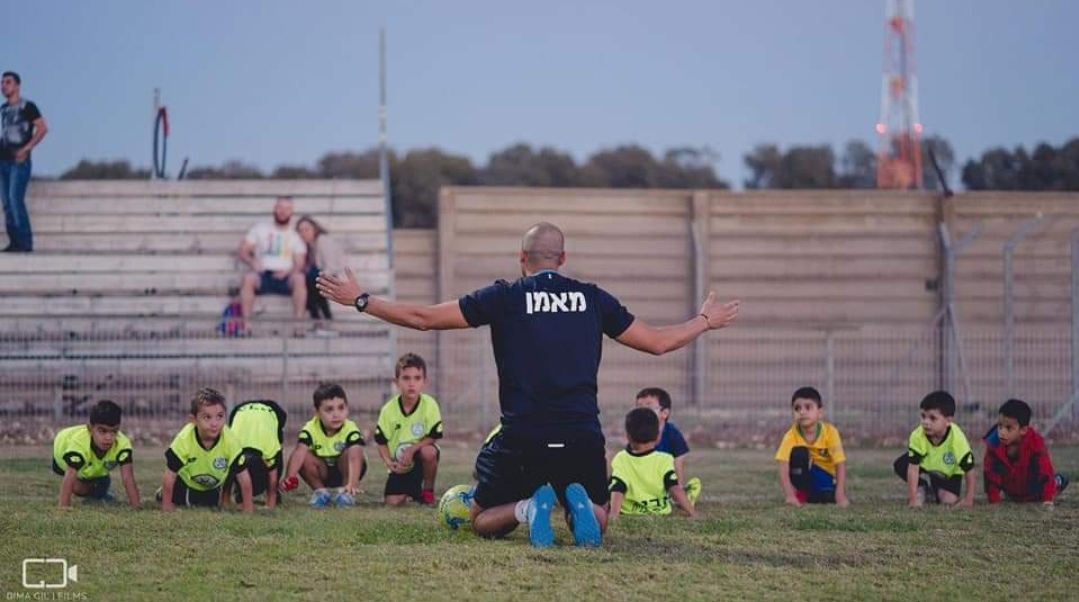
<point x="320" y="499"/>
<point x="343" y="499"/>
<point x="540" y="532"/>
<point x="582" y="519"/>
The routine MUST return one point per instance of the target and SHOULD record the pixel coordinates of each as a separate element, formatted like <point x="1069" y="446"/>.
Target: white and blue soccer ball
<point x="455" y="507"/>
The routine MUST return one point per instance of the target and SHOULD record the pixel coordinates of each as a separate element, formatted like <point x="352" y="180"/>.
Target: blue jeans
<point x="14" y="177"/>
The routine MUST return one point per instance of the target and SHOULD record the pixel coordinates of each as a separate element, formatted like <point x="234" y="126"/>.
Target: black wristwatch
<point x="361" y="302"/>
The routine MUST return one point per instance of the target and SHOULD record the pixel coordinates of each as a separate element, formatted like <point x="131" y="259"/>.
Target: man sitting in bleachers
<point x="275" y="253"/>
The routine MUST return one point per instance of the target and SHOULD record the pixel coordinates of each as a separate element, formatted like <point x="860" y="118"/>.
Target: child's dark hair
<point x="12" y="75"/>
<point x="326" y="391"/>
<point x="106" y="412"/>
<point x="642" y="425"/>
<point x="1018" y="409"/>
<point x="939" y="400"/>
<point x="204" y="398"/>
<point x="410" y="360"/>
<point x="662" y="396"/>
<point x="807" y="393"/>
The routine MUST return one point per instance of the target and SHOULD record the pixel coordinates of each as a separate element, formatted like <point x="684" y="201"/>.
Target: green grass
<point x="748" y="546"/>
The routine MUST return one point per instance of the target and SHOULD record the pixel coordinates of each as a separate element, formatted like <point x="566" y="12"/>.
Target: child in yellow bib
<point x="85" y="454"/>
<point x="643" y="480"/>
<point x="202" y="456"/>
<point x="408" y="426"/>
<point x="329" y="452"/>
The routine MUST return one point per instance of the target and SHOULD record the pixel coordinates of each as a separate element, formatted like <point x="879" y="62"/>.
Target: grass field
<point x="748" y="546"/>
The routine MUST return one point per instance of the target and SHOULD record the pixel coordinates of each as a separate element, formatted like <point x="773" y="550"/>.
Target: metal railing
<point x="871" y="378"/>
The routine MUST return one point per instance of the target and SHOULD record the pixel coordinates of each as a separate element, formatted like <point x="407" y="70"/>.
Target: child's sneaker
<point x="427" y="496"/>
<point x="1062" y="483"/>
<point x="343" y="499"/>
<point x="582" y="518"/>
<point x="320" y="498"/>
<point x="693" y="490"/>
<point x="540" y="533"/>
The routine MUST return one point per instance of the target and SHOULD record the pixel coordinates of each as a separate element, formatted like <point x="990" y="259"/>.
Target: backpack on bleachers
<point x="232" y="320"/>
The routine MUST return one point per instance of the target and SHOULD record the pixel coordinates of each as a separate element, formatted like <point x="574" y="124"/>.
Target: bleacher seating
<point x="126" y="287"/>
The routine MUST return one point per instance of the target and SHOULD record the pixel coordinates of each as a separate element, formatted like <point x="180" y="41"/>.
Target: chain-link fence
<point x="871" y="378"/>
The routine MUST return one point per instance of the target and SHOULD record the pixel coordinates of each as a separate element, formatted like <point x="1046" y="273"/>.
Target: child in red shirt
<point x="1017" y="462"/>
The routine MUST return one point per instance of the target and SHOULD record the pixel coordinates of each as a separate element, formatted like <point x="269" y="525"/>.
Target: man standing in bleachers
<point x="23" y="127"/>
<point x="275" y="253"/>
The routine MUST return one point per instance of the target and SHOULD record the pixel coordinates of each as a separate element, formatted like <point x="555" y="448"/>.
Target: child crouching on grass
<point x="812" y="465"/>
<point x="643" y="480"/>
<point x="204" y="454"/>
<point x="1017" y="465"/>
<point x="85" y="454"/>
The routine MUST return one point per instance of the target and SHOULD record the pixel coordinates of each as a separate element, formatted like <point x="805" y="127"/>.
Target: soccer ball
<point x="455" y="507"/>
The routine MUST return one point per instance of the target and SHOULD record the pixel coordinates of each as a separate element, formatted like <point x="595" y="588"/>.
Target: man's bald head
<point x="543" y="247"/>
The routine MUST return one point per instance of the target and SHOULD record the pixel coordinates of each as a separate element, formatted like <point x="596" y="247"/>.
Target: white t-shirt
<point x="275" y="247"/>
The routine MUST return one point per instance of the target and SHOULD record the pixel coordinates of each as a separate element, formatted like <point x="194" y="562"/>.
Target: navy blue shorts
<point x="411" y="482"/>
<point x="951" y="484"/>
<point x="509" y="471"/>
<point x="268" y="285"/>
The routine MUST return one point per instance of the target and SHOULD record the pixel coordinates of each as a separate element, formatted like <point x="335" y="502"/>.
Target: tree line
<point x="417" y="175"/>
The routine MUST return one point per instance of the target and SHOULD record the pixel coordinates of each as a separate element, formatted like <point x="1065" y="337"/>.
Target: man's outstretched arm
<point x="345" y="289"/>
<point x="658" y="340"/>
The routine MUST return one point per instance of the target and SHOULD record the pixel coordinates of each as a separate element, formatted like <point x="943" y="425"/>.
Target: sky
<point x="276" y="82"/>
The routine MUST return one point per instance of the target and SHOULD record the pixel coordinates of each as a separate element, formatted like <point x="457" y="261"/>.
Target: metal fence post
<point x="283" y="396"/>
<point x="1009" y="302"/>
<point x="1075" y="310"/>
<point x="953" y="344"/>
<point x="829" y="369"/>
<point x="485" y="407"/>
<point x="58" y="402"/>
<point x="948" y="290"/>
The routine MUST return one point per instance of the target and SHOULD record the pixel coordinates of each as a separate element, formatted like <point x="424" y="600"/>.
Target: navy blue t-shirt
<point x="672" y="441"/>
<point x="547" y="334"/>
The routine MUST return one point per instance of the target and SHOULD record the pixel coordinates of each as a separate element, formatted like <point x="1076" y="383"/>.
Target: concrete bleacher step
<point x="252" y="207"/>
<point x="238" y="224"/>
<point x="210" y="306"/>
<point x="123" y="262"/>
<point x="59" y="284"/>
<point x="259" y="367"/>
<point x="349" y="341"/>
<point x="224" y="243"/>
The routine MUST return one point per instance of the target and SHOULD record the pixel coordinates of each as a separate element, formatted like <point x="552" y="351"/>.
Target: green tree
<point x="1045" y="168"/>
<point x="292" y="172"/>
<point x="798" y="167"/>
<point x="349" y="164"/>
<point x="942" y="150"/>
<point x="521" y="165"/>
<point x="690" y="168"/>
<point x="763" y="163"/>
<point x="105" y="170"/>
<point x="233" y="169"/>
<point x="629" y="166"/>
<point x="416" y="181"/>
<point x="858" y="166"/>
